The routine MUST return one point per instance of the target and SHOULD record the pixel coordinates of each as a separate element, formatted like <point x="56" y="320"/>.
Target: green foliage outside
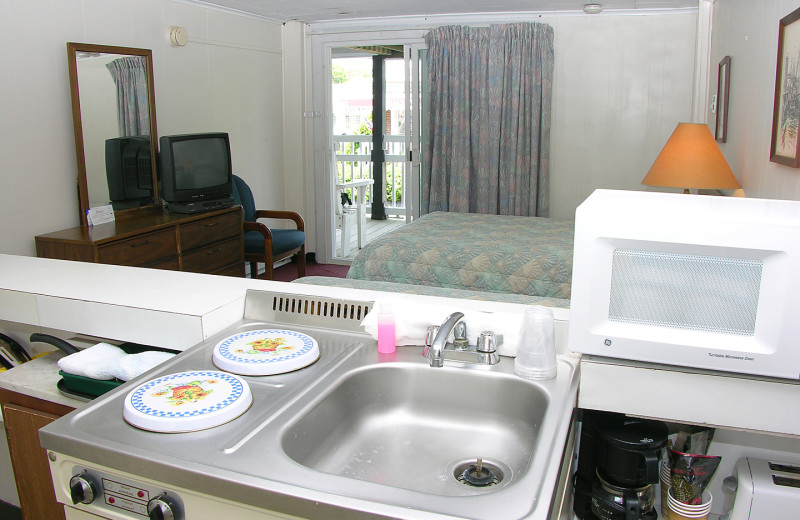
<point x="339" y="74"/>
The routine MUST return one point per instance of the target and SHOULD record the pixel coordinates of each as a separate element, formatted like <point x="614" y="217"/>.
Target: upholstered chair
<point x="264" y="244"/>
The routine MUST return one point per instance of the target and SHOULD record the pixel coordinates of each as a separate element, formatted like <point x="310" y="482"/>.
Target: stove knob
<point x="82" y="489"/>
<point x="163" y="508"/>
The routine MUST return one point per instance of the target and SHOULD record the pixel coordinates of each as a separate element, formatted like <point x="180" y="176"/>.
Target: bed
<point x="488" y="253"/>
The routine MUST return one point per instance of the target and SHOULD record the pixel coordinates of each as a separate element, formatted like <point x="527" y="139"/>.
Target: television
<point x="129" y="172"/>
<point x="196" y="172"/>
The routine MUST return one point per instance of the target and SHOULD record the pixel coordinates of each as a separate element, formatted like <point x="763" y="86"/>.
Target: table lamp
<point x="691" y="159"/>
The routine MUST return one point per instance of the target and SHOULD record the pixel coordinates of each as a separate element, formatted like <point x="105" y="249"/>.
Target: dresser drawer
<point x="168" y="264"/>
<point x="209" y="259"/>
<point x="235" y="269"/>
<point x="139" y="250"/>
<point x="209" y="230"/>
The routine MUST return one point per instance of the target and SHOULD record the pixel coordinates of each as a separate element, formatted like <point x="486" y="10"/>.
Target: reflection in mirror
<point x="114" y="117"/>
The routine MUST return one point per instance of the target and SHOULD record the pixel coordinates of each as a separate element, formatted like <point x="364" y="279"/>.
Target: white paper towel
<point x="133" y="365"/>
<point x="413" y="319"/>
<point x="96" y="362"/>
<point x="104" y="361"/>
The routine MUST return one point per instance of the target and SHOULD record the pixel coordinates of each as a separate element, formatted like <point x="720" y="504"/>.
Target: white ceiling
<point x="326" y="10"/>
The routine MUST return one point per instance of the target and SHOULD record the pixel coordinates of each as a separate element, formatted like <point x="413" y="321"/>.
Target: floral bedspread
<point x="490" y="253"/>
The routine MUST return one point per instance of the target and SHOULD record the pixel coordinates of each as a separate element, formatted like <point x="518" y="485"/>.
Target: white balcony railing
<point x="353" y="154"/>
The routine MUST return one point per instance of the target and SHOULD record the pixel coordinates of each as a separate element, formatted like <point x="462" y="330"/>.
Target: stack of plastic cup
<point x="680" y="511"/>
<point x="665" y="485"/>
<point x="536" y="355"/>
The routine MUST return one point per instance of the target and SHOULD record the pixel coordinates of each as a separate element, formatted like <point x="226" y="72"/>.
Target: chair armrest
<point x="261" y="228"/>
<point x="287" y="215"/>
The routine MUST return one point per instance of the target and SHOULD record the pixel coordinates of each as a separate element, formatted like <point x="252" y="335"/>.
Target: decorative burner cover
<point x="265" y="352"/>
<point x="187" y="401"/>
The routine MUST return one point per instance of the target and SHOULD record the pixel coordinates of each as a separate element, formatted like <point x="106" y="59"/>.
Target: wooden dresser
<point x="208" y="242"/>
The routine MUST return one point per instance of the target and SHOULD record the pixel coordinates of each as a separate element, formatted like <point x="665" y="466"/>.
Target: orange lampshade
<point x="691" y="159"/>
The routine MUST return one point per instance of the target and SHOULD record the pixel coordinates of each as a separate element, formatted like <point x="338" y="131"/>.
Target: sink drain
<point x="478" y="473"/>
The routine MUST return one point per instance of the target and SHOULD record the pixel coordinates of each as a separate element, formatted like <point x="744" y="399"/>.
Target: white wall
<point x="300" y="188"/>
<point x="748" y="32"/>
<point x="228" y="78"/>
<point x="622" y="84"/>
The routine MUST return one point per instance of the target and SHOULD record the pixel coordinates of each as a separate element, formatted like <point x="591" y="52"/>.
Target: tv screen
<point x="196" y="167"/>
<point x="128" y="171"/>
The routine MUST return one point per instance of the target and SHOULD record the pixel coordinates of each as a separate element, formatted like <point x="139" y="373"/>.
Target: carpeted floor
<point x="288" y="272"/>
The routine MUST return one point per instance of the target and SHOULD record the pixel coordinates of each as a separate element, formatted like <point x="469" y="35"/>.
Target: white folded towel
<point x="97" y="362"/>
<point x="133" y="365"/>
<point x="413" y="319"/>
<point x="104" y="361"/>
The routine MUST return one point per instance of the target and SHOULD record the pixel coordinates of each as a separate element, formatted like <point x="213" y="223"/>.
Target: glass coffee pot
<point x="615" y="502"/>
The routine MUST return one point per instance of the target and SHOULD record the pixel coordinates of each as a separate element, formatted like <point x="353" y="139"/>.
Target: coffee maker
<point x="618" y="467"/>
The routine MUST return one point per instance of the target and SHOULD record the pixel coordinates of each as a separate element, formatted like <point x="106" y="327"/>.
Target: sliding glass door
<point x="372" y="108"/>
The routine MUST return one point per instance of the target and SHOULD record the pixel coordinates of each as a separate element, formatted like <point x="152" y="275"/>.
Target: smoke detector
<point x="178" y="36"/>
<point x="592" y="8"/>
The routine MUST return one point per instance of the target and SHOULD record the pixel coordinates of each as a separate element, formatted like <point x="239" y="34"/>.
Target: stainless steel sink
<point x="418" y="428"/>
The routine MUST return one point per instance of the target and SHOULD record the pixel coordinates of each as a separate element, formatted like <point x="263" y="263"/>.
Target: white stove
<point x="135" y="454"/>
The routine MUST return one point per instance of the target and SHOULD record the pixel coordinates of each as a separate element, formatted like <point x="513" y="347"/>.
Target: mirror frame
<point x="83" y="188"/>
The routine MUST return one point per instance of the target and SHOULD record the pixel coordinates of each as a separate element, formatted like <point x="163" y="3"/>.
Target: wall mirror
<point x="114" y="116"/>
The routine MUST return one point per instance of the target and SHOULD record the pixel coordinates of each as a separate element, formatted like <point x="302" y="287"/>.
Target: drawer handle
<point x="137" y="244"/>
<point x="212" y="224"/>
<point x="217" y="250"/>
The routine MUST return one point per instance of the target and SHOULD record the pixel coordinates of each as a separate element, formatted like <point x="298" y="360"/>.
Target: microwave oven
<point x="700" y="281"/>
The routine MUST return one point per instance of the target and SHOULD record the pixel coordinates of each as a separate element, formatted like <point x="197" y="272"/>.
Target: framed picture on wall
<point x="723" y="90"/>
<point x="786" y="112"/>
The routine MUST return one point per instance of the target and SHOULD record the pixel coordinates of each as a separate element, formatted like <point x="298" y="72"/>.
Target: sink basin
<point x="414" y="427"/>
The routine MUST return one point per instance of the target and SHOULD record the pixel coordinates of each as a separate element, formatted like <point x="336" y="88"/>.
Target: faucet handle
<point x="429" y="335"/>
<point x="460" y="340"/>
<point x="487" y="342"/>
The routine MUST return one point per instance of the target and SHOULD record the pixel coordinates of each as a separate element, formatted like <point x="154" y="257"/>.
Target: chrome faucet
<point x="434" y="350"/>
<point x="437" y="349"/>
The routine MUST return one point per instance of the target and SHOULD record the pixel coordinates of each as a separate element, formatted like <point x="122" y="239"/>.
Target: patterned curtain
<point x="130" y="76"/>
<point x="489" y="119"/>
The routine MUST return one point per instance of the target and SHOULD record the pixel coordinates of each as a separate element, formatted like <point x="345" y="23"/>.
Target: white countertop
<point x="38" y="378"/>
<point x="167" y="309"/>
<point x="123" y="303"/>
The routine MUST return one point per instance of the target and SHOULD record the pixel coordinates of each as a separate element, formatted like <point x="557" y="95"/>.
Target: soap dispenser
<point x="387" y="338"/>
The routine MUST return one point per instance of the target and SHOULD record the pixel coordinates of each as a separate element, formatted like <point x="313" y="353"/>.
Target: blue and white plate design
<point x="265" y="352"/>
<point x="187" y="401"/>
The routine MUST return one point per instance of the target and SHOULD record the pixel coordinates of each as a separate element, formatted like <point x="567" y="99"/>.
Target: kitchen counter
<point x="38" y="378"/>
<point x="169" y="309"/>
<point x="685" y="395"/>
<point x="147" y="306"/>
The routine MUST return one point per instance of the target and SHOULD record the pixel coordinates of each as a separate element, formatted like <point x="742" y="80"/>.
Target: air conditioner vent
<point x="319" y="307"/>
<point x="318" y="311"/>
